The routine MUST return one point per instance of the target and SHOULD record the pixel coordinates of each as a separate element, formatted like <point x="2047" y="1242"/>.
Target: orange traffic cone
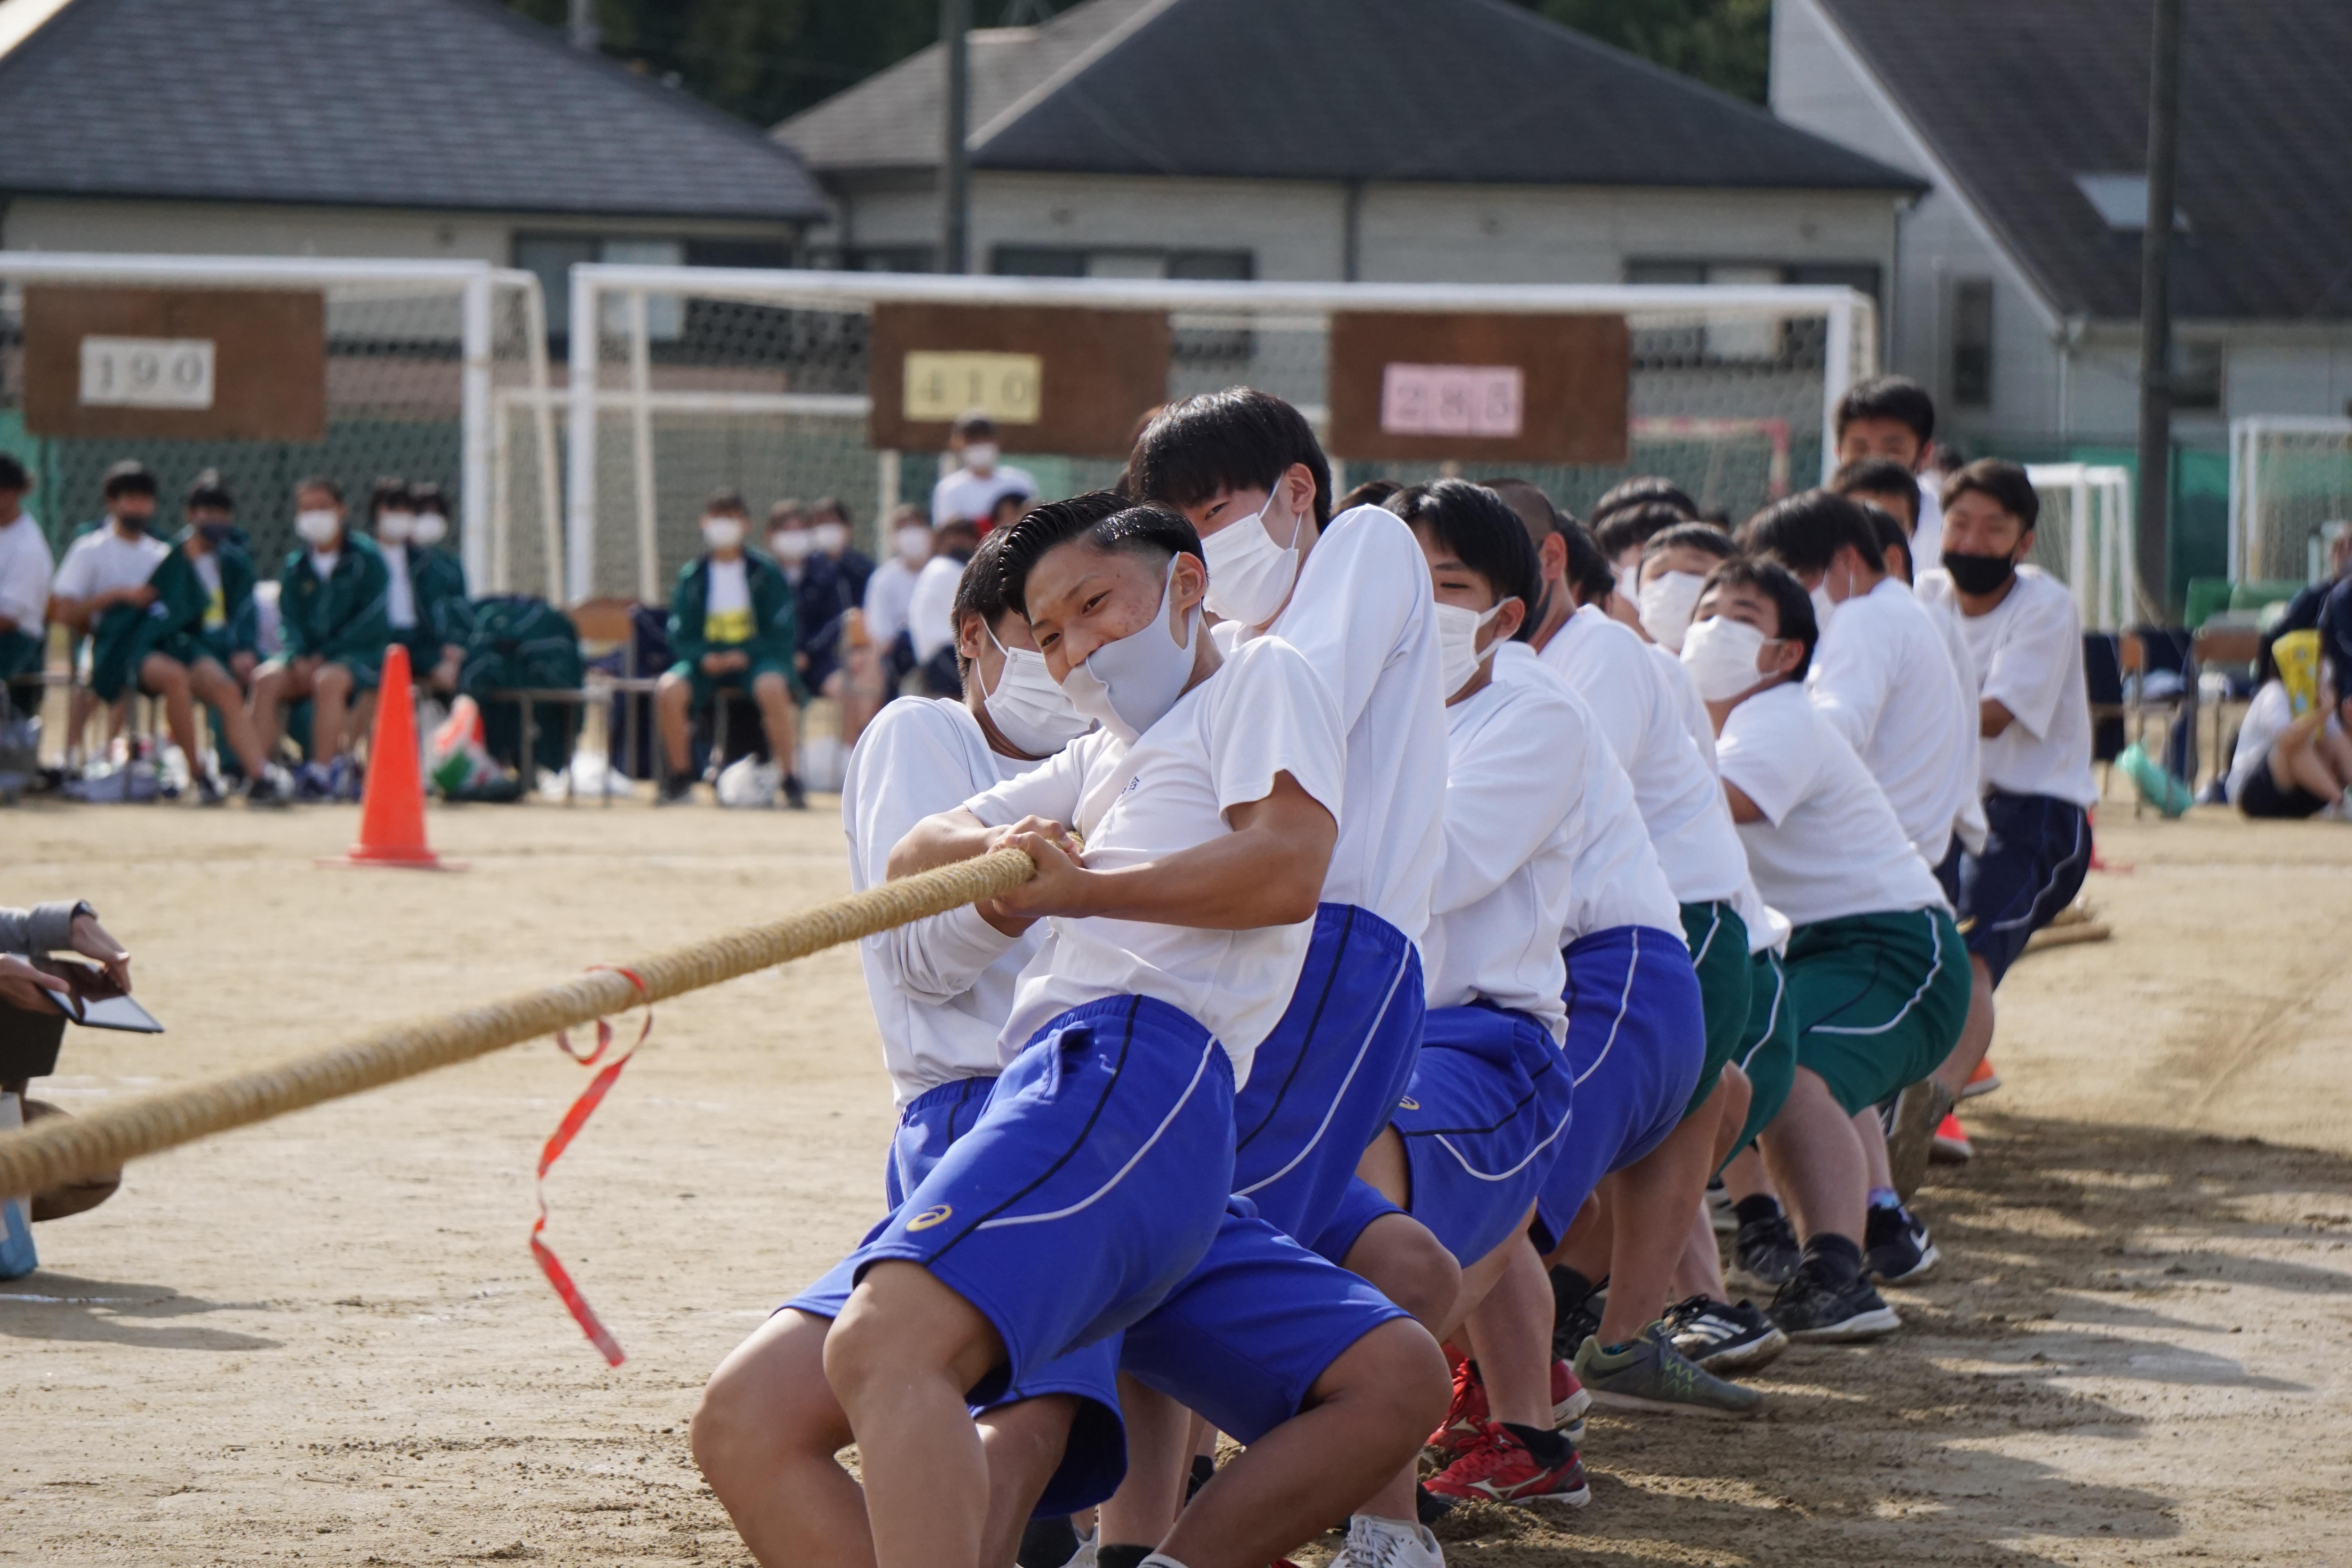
<point x="391" y="810"/>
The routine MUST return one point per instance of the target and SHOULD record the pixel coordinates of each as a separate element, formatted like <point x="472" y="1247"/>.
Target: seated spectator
<point x="929" y="607"/>
<point x="332" y="628"/>
<point x="1007" y="510"/>
<point x="890" y="587"/>
<point x="820" y="592"/>
<point x="733" y="627"/>
<point x="971" y="490"/>
<point x="830" y="525"/>
<point x="2295" y="766"/>
<point x="223" y="558"/>
<point x="101" y="590"/>
<point x="425" y="588"/>
<point x="25" y="567"/>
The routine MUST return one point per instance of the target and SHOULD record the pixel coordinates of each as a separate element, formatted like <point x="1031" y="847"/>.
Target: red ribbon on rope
<point x="561" y="1139"/>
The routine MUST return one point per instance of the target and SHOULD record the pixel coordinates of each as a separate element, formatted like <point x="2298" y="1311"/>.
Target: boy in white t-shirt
<point x="104" y="589"/>
<point x="1875" y="983"/>
<point x="978" y="480"/>
<point x="2025" y="645"/>
<point x="1891" y="417"/>
<point x="25" y="567"/>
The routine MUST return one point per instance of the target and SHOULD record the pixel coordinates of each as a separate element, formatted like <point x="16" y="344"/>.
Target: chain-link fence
<point x="2289" y="479"/>
<point x="758" y="382"/>
<point x="2083" y="538"/>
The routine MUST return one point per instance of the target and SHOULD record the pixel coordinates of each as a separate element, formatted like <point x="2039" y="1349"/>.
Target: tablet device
<point x="92" y="999"/>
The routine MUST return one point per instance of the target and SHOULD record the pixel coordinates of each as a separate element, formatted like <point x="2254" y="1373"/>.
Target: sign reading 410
<point x="1009" y="388"/>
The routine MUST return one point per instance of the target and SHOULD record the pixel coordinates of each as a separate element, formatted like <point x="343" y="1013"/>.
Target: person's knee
<point x="768" y="689"/>
<point x="672" y="692"/>
<point x="333" y="683"/>
<point x="1411" y="1267"/>
<point x="1396" y="1377"/>
<point x="757" y="1408"/>
<point x="164" y="676"/>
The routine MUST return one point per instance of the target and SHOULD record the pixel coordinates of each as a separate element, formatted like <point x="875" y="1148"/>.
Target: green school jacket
<point x="436" y="582"/>
<point x="775" y="620"/>
<point x="126" y="634"/>
<point x="342" y="618"/>
<point x="241" y="633"/>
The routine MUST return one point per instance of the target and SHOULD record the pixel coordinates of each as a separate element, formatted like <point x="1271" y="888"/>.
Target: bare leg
<point x="1976" y="1034"/>
<point x="167" y="679"/>
<point x="1158" y="1457"/>
<point x="1509" y="1331"/>
<point x="331" y="693"/>
<point x="1699" y="1270"/>
<point x="1872" y="1134"/>
<point x="765" y="1435"/>
<point x="779" y="718"/>
<point x="672" y="712"/>
<point x="219" y="690"/>
<point x="275" y="684"/>
<point x="1816" y="1157"/>
<point x="1745" y="1176"/>
<point x="1024" y="1443"/>
<point x="1651" y="1196"/>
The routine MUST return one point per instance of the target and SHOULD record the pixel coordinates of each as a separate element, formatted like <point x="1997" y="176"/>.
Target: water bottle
<point x="17" y="1257"/>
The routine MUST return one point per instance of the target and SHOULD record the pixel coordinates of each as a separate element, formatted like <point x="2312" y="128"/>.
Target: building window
<point x="1972" y="342"/>
<point x="2196" y="376"/>
<point x="1122" y="261"/>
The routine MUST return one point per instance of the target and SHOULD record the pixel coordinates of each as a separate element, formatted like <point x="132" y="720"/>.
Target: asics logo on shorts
<point x="934" y="1215"/>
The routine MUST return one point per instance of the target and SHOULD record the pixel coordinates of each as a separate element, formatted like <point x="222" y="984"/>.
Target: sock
<point x="1204" y="1470"/>
<point x="1886" y="1198"/>
<point x="1427" y="1506"/>
<point x="1047" y="1543"/>
<point x="1549" y="1446"/>
<point x="1123" y="1556"/>
<point x="1755" y="1207"/>
<point x="1569" y="1290"/>
<point x="1836" y="1256"/>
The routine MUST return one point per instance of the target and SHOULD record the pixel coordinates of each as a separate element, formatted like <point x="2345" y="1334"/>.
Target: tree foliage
<point x="1726" y="44"/>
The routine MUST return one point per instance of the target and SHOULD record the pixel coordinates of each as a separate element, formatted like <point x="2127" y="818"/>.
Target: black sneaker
<point x="1576" y="1305"/>
<point x="795" y="797"/>
<point x="1718" y="1208"/>
<point x="1818" y="1307"/>
<point x="1895" y="1247"/>
<point x="1765" y="1246"/>
<point x="1723" y="1338"/>
<point x="675" y="791"/>
<point x="209" y="791"/>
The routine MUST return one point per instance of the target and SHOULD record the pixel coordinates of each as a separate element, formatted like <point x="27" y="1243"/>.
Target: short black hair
<point x="2002" y="483"/>
<point x="1703" y="536"/>
<point x="129" y="477"/>
<point x="981" y="592"/>
<point x="1641" y="490"/>
<point x="1633" y="525"/>
<point x="1880" y="476"/>
<point x="207" y="490"/>
<point x="1803" y="531"/>
<point x="727" y="499"/>
<point x="1891" y="537"/>
<point x="1240" y="438"/>
<point x="384" y="494"/>
<point x="1895" y="398"/>
<point x="1534" y="508"/>
<point x="1104" y="519"/>
<point x="957" y="537"/>
<point x="972" y="422"/>
<point x="1789" y="599"/>
<point x="840" y="509"/>
<point x="1483" y="532"/>
<point x="327" y="482"/>
<point x="784" y="511"/>
<point x="1371" y="492"/>
<point x="428" y="496"/>
<point x="13" y="476"/>
<point x="1589" y="575"/>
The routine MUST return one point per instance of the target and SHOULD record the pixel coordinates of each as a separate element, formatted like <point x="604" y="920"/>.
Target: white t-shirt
<point x="1970" y="827"/>
<point x="1363" y="615"/>
<point x="1881" y="679"/>
<point x="1513" y="817"/>
<point x="2268" y="717"/>
<point x="888" y="592"/>
<point x="400" y="606"/>
<point x="727" y="601"/>
<point x="1927" y="538"/>
<point x="930" y="604"/>
<point x="1616" y="879"/>
<point x="2027" y="652"/>
<point x="972" y="496"/>
<point x="1829" y="845"/>
<point x="1625" y="686"/>
<point x="1265" y="713"/>
<point x="1687" y="702"/>
<point x="103" y="561"/>
<point x="322" y="563"/>
<point x="941" y="987"/>
<point x="25" y="567"/>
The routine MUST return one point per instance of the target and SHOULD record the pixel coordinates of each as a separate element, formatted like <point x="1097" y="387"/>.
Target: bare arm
<point x="1993" y="717"/>
<point x="1742" y="809"/>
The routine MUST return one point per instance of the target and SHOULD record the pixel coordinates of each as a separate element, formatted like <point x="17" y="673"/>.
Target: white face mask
<point x="832" y="538"/>
<point x="431" y="528"/>
<point x="1027" y="708"/>
<point x="1721" y="657"/>
<point x="1250" y="575"/>
<point x="1125" y="686"/>
<point x="317" y="528"/>
<point x="1668" y="600"/>
<point x="395" y="527"/>
<point x="980" y="455"/>
<point x="1823" y="605"/>
<point x="1458" y="653"/>
<point x="722" y="532"/>
<point x="914" y="545"/>
<point x="791" y="544"/>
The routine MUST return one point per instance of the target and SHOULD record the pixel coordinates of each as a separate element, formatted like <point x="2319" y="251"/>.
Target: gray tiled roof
<point x="1472" y="90"/>
<point x="407" y="103"/>
<point x="2018" y="96"/>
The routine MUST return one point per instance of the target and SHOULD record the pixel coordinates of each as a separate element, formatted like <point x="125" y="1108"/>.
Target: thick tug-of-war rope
<point x="59" y="1150"/>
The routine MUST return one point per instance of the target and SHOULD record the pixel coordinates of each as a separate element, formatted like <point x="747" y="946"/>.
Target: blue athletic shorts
<point x="1636" y="1040"/>
<point x="1484" y="1120"/>
<point x="927" y="1125"/>
<point x="2037" y="851"/>
<point x="1242" y="1339"/>
<point x="1326" y="1081"/>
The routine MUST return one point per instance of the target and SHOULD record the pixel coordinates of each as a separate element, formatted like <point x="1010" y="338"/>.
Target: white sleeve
<point x="939" y="498"/>
<point x="1375" y="593"/>
<point x="931" y="611"/>
<point x="1510" y="798"/>
<point x="1276" y="716"/>
<point x="1770" y="760"/>
<point x="917" y="767"/>
<point x="884" y="619"/>
<point x="2267" y="716"/>
<point x="24" y="586"/>
<point x="1051" y="790"/>
<point x="73" y="578"/>
<point x="2028" y="674"/>
<point x="1849" y="683"/>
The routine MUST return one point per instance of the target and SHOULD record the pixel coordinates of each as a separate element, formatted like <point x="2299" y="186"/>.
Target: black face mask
<point x="1978" y="574"/>
<point x="214" y="534"/>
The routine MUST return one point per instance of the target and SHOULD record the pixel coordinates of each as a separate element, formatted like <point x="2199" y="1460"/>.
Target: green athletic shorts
<point x="1719" y="944"/>
<point x="708" y="686"/>
<point x="1768" y="1046"/>
<point x="1879" y="1000"/>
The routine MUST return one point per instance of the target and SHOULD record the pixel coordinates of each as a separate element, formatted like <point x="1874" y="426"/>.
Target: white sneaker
<point x="1376" y="1543"/>
<point x="1086" y="1552"/>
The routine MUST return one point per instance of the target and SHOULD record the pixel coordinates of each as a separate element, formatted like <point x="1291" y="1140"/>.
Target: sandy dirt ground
<point x="325" y="1340"/>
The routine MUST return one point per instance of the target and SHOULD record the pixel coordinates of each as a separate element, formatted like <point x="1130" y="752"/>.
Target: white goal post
<point x="757" y="380"/>
<point x="2084" y="538"/>
<point x="2289" y="480"/>
<point x="418" y="356"/>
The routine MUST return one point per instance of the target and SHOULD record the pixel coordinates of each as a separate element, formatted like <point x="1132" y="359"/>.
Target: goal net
<point x="760" y="382"/>
<point x="2083" y="538"/>
<point x="2289" y="480"/>
<point x="418" y="356"/>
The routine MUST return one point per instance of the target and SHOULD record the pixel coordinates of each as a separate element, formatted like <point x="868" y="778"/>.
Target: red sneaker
<point x="1466" y="1416"/>
<point x="1984" y="1080"/>
<point x="1568" y="1402"/>
<point x="1951" y="1146"/>
<point x="1497" y="1467"/>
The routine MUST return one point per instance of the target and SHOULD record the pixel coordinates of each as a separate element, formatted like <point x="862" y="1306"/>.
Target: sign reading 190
<point x="1008" y="388"/>
<point x="147" y="373"/>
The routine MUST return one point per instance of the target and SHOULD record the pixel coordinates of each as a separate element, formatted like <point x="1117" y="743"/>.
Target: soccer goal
<point x="270" y="368"/>
<point x="768" y="383"/>
<point x="2084" y="540"/>
<point x="2289" y="480"/>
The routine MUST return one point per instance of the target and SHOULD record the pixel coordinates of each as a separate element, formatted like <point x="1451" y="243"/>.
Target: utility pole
<point x="581" y="29"/>
<point x="2152" y="554"/>
<point x="955" y="161"/>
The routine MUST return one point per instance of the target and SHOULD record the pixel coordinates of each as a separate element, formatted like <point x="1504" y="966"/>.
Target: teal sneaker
<point x="1651" y="1375"/>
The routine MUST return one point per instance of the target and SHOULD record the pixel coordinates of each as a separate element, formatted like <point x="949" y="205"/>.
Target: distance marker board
<point x="1420" y="386"/>
<point x="209" y="364"/>
<point x="1060" y="382"/>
